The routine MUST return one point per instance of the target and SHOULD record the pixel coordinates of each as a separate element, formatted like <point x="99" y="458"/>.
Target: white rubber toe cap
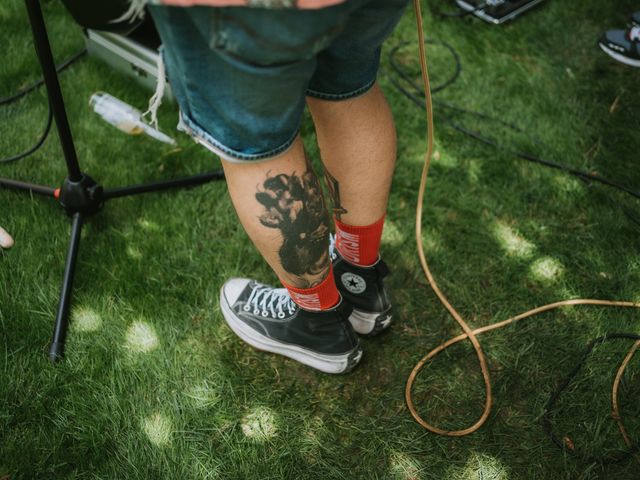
<point x="233" y="288"/>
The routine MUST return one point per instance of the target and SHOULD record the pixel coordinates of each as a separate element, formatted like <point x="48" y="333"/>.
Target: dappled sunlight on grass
<point x="202" y="395"/>
<point x="392" y="235"/>
<point x="431" y="240"/>
<point x="474" y="170"/>
<point x="259" y="424"/>
<point x="480" y="467"/>
<point x="413" y="157"/>
<point x="158" y="428"/>
<point x="148" y="225"/>
<point x="568" y="183"/>
<point x="445" y="159"/>
<point x="133" y="252"/>
<point x="314" y="430"/>
<point x="404" y="467"/>
<point x="141" y="337"/>
<point x="546" y="270"/>
<point x="511" y="240"/>
<point x="85" y="319"/>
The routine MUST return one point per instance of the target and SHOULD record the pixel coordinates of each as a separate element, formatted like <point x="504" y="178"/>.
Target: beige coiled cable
<point x="471" y="334"/>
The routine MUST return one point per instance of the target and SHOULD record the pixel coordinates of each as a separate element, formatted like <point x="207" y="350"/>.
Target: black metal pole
<point x="30" y="187"/>
<point x="164" y="185"/>
<point x="47" y="63"/>
<point x="56" y="352"/>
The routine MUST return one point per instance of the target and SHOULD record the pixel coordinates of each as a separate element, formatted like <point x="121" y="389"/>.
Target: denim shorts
<point x="240" y="75"/>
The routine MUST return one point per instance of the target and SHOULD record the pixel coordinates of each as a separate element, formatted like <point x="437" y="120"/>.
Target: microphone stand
<point x="80" y="195"/>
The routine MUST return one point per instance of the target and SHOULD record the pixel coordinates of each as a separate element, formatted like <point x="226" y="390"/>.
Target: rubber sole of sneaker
<point x="335" y="364"/>
<point x="368" y="324"/>
<point x="619" y="57"/>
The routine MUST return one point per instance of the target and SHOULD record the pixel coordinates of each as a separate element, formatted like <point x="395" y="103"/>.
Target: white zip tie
<point x="133" y="13"/>
<point x="156" y="100"/>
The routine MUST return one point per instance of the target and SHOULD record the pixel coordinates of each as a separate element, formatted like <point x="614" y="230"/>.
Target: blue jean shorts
<point x="241" y="75"/>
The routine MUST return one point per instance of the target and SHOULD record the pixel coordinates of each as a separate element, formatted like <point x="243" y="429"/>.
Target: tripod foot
<point x="56" y="352"/>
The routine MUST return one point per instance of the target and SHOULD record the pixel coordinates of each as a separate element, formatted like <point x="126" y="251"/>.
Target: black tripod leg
<point x="30" y="187"/>
<point x="164" y="185"/>
<point x="56" y="352"/>
<point x="48" y="65"/>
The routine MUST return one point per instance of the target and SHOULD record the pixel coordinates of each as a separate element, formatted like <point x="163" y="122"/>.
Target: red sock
<point x="321" y="297"/>
<point x="359" y="245"/>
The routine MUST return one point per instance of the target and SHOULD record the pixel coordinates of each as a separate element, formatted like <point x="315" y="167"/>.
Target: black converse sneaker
<point x="623" y="45"/>
<point x="267" y="319"/>
<point x="363" y="289"/>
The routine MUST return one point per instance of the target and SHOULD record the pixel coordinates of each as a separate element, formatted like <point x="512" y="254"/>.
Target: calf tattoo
<point x="294" y="205"/>
<point x="334" y="191"/>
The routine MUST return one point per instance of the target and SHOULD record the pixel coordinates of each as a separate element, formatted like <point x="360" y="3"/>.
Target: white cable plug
<point x="125" y="117"/>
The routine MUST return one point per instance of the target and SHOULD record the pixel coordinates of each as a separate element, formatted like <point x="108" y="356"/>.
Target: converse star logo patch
<point x="353" y="283"/>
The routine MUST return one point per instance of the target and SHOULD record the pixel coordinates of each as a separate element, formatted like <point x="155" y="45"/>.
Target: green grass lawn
<point x="155" y="385"/>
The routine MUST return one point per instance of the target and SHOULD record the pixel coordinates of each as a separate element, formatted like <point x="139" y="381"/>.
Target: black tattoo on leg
<point x="294" y="205"/>
<point x="334" y="191"/>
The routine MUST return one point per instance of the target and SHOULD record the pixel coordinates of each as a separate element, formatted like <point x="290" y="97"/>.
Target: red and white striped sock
<point x="359" y="245"/>
<point x="321" y="297"/>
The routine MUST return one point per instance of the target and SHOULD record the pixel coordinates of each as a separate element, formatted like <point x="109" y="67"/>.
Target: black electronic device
<point x="127" y="45"/>
<point x="497" y="11"/>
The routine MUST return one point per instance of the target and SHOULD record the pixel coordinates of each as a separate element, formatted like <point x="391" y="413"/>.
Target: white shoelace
<point x="634" y="33"/>
<point x="264" y="300"/>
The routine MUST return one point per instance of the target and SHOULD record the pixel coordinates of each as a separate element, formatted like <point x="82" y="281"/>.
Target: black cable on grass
<point x="565" y="443"/>
<point x="25" y="91"/>
<point x="417" y="97"/>
<point x="38" y="144"/>
<point x="397" y="68"/>
<point x="28" y="89"/>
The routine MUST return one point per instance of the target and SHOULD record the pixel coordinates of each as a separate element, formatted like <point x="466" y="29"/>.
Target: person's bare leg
<point x="281" y="207"/>
<point x="357" y="141"/>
